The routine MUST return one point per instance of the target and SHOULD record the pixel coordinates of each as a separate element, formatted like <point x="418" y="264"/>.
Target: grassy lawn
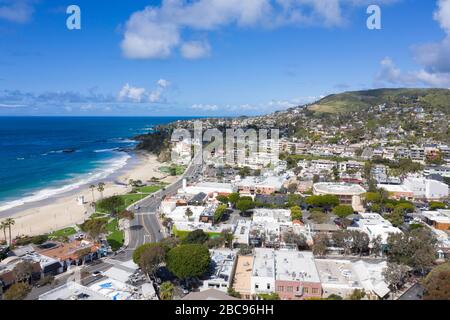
<point x="98" y="215"/>
<point x="179" y="169"/>
<point x="149" y="189"/>
<point x="63" y="233"/>
<point x="116" y="236"/>
<point x="131" y="198"/>
<point x="182" y="234"/>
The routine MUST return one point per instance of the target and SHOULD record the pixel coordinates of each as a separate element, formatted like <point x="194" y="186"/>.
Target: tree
<point x="188" y="213"/>
<point x="394" y="275"/>
<point x="223" y="199"/>
<point x="299" y="240"/>
<point x="325" y="201"/>
<point x="111" y="205"/>
<point x="92" y="187"/>
<point x="166" y="291"/>
<point x="138" y="252"/>
<point x="220" y="211"/>
<point x="196" y="237"/>
<point x="233" y="198"/>
<point x="357" y="294"/>
<point x="434" y="205"/>
<point x="376" y="246"/>
<point x="269" y="296"/>
<point x="396" y="217"/>
<point x="292" y="187"/>
<point x="10" y="222"/>
<point x="318" y="216"/>
<point x="94" y="227"/>
<point x="23" y="271"/>
<point x="244" y="205"/>
<point x="4" y="226"/>
<point x="343" y="211"/>
<point x="437" y="283"/>
<point x="343" y="239"/>
<point x="233" y="293"/>
<point x="227" y="237"/>
<point x="296" y="213"/>
<point x="360" y="241"/>
<point x="125" y="214"/>
<point x="188" y="260"/>
<point x="101" y="188"/>
<point x="415" y="248"/>
<point x="150" y="260"/>
<point x="17" y="291"/>
<point x="320" y="244"/>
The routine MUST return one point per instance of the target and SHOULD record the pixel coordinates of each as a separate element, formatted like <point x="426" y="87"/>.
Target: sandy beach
<point x="64" y="210"/>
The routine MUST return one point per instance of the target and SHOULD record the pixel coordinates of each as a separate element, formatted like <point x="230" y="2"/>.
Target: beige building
<point x="348" y="193"/>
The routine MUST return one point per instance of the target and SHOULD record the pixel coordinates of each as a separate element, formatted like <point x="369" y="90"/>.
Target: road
<point x="145" y="226"/>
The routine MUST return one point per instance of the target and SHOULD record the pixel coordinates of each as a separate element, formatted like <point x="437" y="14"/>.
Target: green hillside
<point x="437" y="99"/>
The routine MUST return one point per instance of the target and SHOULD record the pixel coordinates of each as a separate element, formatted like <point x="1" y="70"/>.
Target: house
<point x="348" y="194"/>
<point x="439" y="219"/>
<point x="73" y="291"/>
<point x="296" y="275"/>
<point x="374" y="225"/>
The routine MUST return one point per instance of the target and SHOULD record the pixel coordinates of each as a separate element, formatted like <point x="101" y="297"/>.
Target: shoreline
<point x="63" y="210"/>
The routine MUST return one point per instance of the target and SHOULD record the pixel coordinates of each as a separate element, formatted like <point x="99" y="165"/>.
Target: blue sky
<point x="212" y="57"/>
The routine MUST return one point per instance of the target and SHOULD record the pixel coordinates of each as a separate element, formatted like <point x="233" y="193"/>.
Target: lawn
<point x="181" y="234"/>
<point x="149" y="189"/>
<point x="63" y="233"/>
<point x="116" y="236"/>
<point x="179" y="169"/>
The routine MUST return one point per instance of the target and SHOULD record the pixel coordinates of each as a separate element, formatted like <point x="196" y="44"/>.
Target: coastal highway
<point x="145" y="226"/>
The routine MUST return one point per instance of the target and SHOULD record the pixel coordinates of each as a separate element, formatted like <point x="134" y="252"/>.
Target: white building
<point x="348" y="193"/>
<point x="374" y="225"/>
<point x="263" y="272"/>
<point x="426" y="188"/>
<point x="222" y="264"/>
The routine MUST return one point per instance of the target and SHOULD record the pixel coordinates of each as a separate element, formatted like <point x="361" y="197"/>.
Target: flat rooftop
<point x="243" y="274"/>
<point x="337" y="273"/>
<point x="72" y="291"/>
<point x="338" y="188"/>
<point x="264" y="263"/>
<point x="295" y="265"/>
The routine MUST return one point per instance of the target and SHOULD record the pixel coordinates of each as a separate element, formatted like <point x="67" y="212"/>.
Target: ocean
<point x="44" y="156"/>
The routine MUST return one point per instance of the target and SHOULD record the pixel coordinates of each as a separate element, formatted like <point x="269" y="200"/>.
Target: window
<point x="268" y="286"/>
<point x="315" y="290"/>
<point x="256" y="286"/>
<point x="280" y="288"/>
<point x="306" y="290"/>
<point x="290" y="289"/>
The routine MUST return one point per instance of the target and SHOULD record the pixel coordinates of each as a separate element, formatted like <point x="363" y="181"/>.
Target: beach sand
<point x="64" y="211"/>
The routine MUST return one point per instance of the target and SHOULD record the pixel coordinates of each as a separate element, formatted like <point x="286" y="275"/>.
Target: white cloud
<point x="195" y="49"/>
<point x="132" y="94"/>
<point x="205" y="107"/>
<point x="433" y="57"/>
<point x="19" y="11"/>
<point x="137" y="95"/>
<point x="157" y="30"/>
<point x="390" y="73"/>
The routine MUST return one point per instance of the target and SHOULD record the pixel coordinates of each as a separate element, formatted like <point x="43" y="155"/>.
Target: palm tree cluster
<point x="7" y="224"/>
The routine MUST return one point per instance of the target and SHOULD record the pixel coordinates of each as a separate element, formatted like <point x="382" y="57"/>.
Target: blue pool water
<point x="43" y="156"/>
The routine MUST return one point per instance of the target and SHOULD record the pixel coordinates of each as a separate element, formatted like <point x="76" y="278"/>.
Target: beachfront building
<point x="296" y="276"/>
<point x="348" y="194"/>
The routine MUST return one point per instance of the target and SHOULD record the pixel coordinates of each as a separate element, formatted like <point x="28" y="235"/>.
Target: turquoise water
<point x="44" y="156"/>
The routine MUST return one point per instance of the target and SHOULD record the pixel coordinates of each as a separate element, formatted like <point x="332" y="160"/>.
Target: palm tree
<point x="189" y="213"/>
<point x="92" y="187"/>
<point x="101" y="188"/>
<point x="3" y="226"/>
<point x="10" y="222"/>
